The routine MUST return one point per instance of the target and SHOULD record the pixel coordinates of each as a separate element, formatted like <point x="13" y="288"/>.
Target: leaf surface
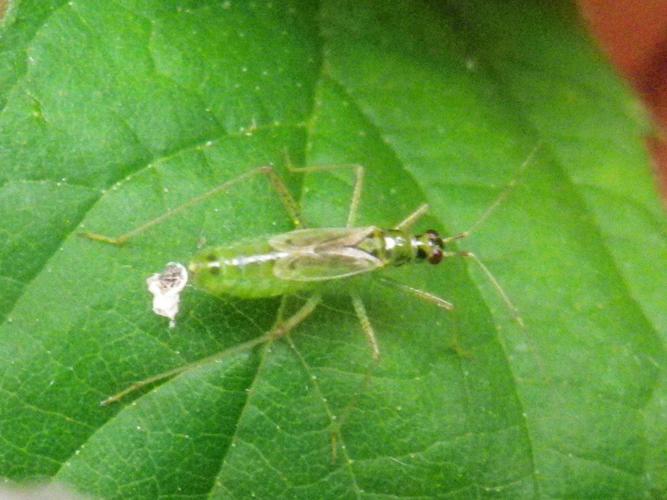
<point x="115" y="112"/>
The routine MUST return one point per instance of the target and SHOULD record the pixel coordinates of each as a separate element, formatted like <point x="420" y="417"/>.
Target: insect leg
<point x="496" y="284"/>
<point x="290" y="204"/>
<point x="359" y="172"/>
<point x="283" y="327"/>
<point x="366" y="326"/>
<point x="180" y="369"/>
<point x="280" y="329"/>
<point x="356" y="190"/>
<point x="410" y="220"/>
<point x="420" y="294"/>
<point x="427" y="297"/>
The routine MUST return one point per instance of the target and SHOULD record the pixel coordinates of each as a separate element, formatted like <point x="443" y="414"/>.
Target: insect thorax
<point x="392" y="246"/>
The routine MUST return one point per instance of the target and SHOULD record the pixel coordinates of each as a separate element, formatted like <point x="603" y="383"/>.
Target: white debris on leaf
<point x="166" y="288"/>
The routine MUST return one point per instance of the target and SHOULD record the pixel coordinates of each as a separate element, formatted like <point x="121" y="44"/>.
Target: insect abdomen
<point x="243" y="270"/>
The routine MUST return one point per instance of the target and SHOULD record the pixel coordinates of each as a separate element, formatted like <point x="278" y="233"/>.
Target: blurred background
<point x="633" y="33"/>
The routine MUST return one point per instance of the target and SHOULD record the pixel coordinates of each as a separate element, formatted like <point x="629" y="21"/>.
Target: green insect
<point x="301" y="261"/>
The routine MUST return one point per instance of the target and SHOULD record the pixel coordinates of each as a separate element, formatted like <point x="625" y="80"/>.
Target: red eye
<point x="436" y="256"/>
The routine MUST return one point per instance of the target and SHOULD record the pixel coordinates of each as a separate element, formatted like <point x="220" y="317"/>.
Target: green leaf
<point x="115" y="112"/>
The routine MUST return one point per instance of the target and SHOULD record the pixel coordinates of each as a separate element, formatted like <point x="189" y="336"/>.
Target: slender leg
<point x="366" y="326"/>
<point x="290" y="204"/>
<point x="358" y="304"/>
<point x="420" y="294"/>
<point x="279" y="330"/>
<point x="286" y="326"/>
<point x="359" y="172"/>
<point x="427" y="297"/>
<point x="496" y="284"/>
<point x="410" y="220"/>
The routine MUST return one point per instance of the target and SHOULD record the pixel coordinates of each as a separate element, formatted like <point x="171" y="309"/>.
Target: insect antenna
<point x="481" y="220"/>
<point x="499" y="200"/>
<point x="494" y="282"/>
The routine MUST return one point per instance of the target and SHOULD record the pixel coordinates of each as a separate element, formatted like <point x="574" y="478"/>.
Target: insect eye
<point x="436" y="256"/>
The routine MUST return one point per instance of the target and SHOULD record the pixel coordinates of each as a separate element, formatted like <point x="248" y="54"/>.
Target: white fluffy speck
<point x="166" y="288"/>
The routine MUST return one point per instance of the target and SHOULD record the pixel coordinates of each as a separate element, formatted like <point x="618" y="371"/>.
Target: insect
<point x="302" y="260"/>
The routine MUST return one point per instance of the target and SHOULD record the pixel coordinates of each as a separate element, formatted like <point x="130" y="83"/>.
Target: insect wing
<point x="326" y="265"/>
<point x="319" y="238"/>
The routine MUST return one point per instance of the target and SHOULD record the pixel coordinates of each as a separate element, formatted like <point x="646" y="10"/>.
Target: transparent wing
<point x="316" y="238"/>
<point x="322" y="266"/>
